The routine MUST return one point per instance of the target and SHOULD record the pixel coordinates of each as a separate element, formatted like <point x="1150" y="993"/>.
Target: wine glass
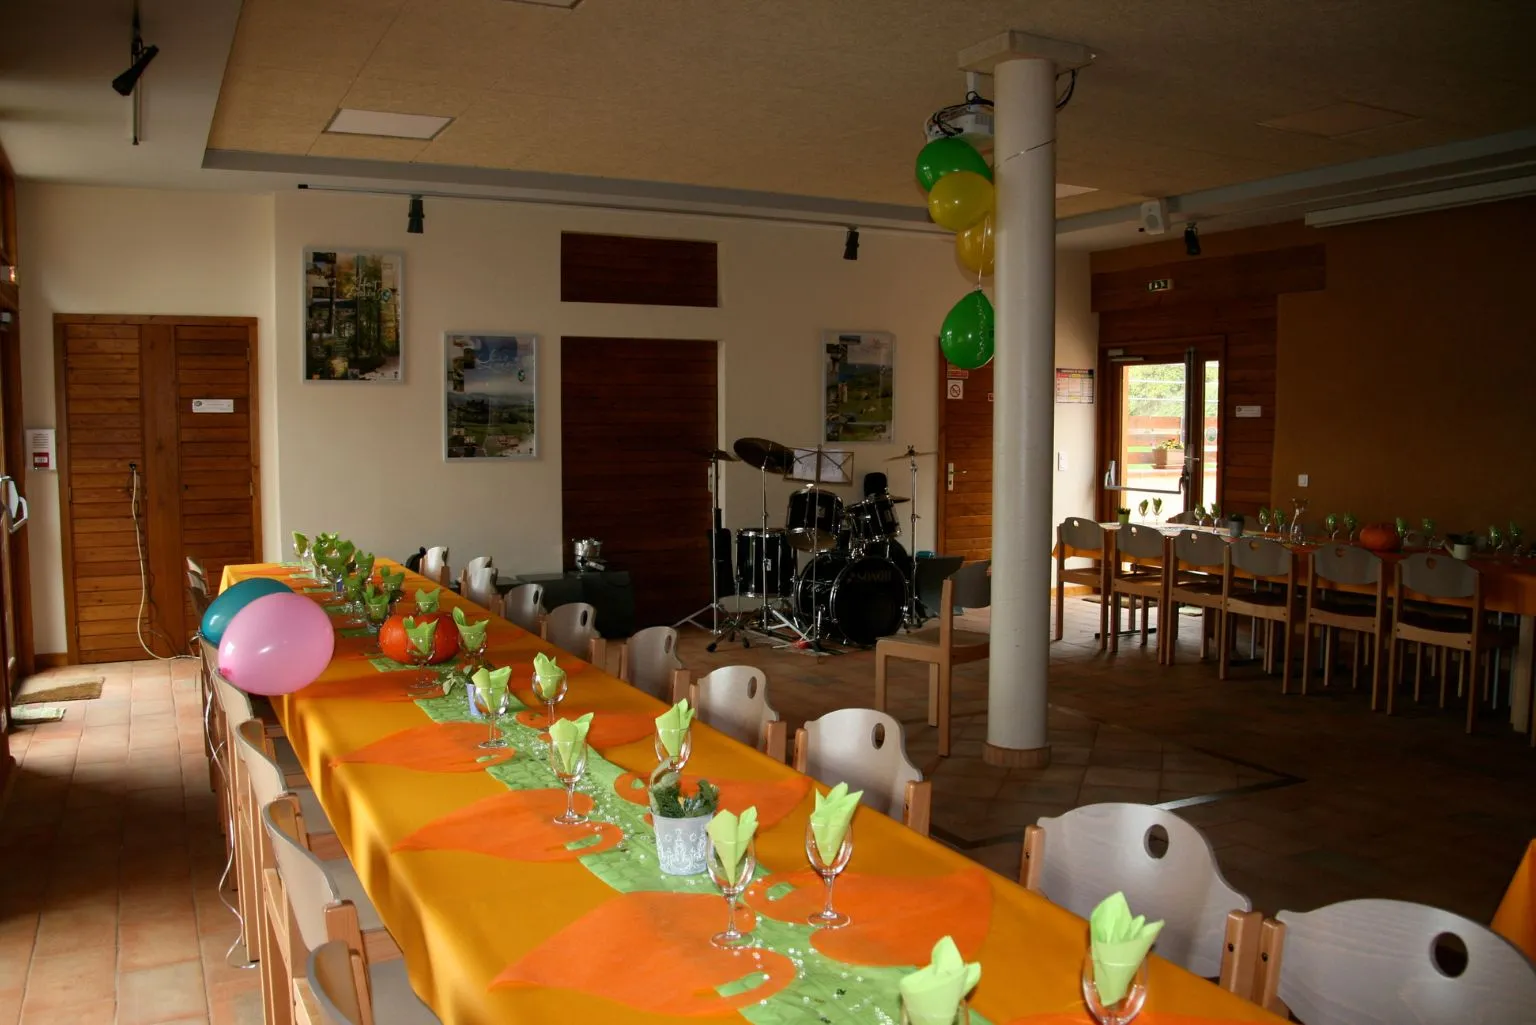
<point x="376" y="608"/>
<point x="962" y="1014"/>
<point x="427" y="681"/>
<point x="1123" y="1011"/>
<point x="1495" y="539"/>
<point x="1431" y="542"/>
<point x="732" y="937"/>
<point x="551" y="697"/>
<point x="1515" y="534"/>
<point x="569" y="776"/>
<point x="494" y="711"/>
<point x="474" y="654"/>
<point x="1157" y="508"/>
<point x="827" y="918"/>
<point x="1263" y="520"/>
<point x="1331" y="525"/>
<point x="684" y="740"/>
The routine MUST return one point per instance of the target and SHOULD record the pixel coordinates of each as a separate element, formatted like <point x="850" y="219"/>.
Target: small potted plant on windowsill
<point x="1123" y="514"/>
<point x="681" y="819"/>
<point x="1169" y="453"/>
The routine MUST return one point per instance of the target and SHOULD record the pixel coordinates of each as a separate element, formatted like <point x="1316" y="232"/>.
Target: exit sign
<point x="1160" y="285"/>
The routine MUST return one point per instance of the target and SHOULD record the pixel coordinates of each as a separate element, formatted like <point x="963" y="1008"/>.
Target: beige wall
<point x="91" y="250"/>
<point x="367" y="459"/>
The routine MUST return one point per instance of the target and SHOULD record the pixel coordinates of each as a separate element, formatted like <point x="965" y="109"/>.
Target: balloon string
<point x="1027" y="149"/>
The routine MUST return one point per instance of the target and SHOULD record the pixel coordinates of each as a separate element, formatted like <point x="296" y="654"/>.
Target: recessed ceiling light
<point x="569" y="5"/>
<point x="349" y="121"/>
<point x="1063" y="191"/>
<point x="1338" y="119"/>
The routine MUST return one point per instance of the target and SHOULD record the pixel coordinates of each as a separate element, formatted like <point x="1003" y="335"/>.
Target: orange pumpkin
<point x="394" y="642"/>
<point x="1380" y="537"/>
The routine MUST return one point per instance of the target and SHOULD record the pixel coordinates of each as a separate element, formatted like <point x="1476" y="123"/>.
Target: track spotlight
<point x="142" y="55"/>
<point x="851" y="245"/>
<point x="1191" y="239"/>
<point x="417" y="214"/>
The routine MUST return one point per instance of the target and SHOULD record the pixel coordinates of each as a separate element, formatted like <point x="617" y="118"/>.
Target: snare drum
<point x="765" y="564"/>
<point x="874" y="519"/>
<point x="813" y="519"/>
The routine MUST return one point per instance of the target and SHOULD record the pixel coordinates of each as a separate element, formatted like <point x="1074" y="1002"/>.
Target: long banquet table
<point x="504" y="917"/>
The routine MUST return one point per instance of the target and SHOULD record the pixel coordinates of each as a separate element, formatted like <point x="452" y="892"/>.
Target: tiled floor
<point x="109" y="853"/>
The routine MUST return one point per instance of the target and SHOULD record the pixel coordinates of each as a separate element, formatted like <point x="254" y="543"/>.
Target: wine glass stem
<point x="491" y="718"/>
<point x="570" y="800"/>
<point x="826" y="908"/>
<point x="730" y="913"/>
<point x="549" y="714"/>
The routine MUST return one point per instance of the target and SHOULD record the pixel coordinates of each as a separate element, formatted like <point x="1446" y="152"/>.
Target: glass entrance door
<point x="1164" y="431"/>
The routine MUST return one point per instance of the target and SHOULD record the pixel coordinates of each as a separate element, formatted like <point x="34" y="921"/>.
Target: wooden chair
<point x="337" y="979"/>
<point x="734" y="700"/>
<point x="1077" y="537"/>
<point x="309" y="903"/>
<point x="1329" y="609"/>
<point x="1262" y="563"/>
<point x="929" y="585"/>
<point x="478" y="584"/>
<point x="1167" y="871"/>
<point x="1139" y="570"/>
<point x="942" y="647"/>
<point x="434" y="565"/>
<point x="572" y="628"/>
<point x="1198" y="565"/>
<point x="649" y="662"/>
<point x="1382" y="962"/>
<point x="524" y="605"/>
<point x="865" y="749"/>
<point x="1444" y="609"/>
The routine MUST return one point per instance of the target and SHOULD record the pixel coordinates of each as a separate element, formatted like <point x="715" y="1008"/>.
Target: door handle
<point x="26" y="510"/>
<point x="949" y="478"/>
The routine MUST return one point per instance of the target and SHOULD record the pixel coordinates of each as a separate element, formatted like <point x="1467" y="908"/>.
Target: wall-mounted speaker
<point x="1154" y="217"/>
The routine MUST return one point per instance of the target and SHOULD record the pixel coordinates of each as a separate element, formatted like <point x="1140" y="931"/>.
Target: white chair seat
<point x="394" y="1001"/>
<point x="286" y="757"/>
<point x="350" y="887"/>
<point x="315" y="820"/>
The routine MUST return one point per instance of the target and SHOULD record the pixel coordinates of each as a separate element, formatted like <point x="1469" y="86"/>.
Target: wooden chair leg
<point x="1374" y="654"/>
<point x="1205" y="634"/>
<point x="1418" y="671"/>
<point x="1114" y="619"/>
<point x="1146" y="615"/>
<point x="1168" y="622"/>
<point x="1103" y="620"/>
<point x="1061" y="601"/>
<point x="1284" y="629"/>
<point x="1392" y="647"/>
<point x="880" y="666"/>
<point x="1472" y="688"/>
<point x="946" y="676"/>
<point x="1306" y="658"/>
<point x="1223" y="662"/>
<point x="1354" y="659"/>
<point x="933" y="693"/>
<point x="1329" y="633"/>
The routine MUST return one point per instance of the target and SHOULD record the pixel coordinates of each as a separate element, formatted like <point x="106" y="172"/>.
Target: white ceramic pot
<point x="681" y="844"/>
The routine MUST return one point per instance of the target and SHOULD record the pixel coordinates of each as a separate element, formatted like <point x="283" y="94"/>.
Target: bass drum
<point x="858" y="598"/>
<point x="888" y="549"/>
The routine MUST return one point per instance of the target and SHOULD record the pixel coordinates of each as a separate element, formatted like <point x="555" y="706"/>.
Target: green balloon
<point x="967" y="335"/>
<point x="943" y="156"/>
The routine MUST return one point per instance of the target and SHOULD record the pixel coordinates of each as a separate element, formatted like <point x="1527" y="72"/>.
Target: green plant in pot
<point x="1123" y="514"/>
<point x="681" y="817"/>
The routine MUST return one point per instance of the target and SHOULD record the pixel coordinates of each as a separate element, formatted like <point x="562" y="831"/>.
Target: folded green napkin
<point x="352" y="586"/>
<point x="378" y="604"/>
<point x="394" y="583"/>
<point x="672" y="724"/>
<point x="300" y="544"/>
<point x="421" y="635"/>
<point x="471" y="635"/>
<point x="426" y="601"/>
<point x="932" y="994"/>
<point x="547" y="677"/>
<point x="567" y="737"/>
<point x="1119" y="943"/>
<point x="732" y="835"/>
<point x="491" y="684"/>
<point x="830" y="820"/>
<point x="363" y="564"/>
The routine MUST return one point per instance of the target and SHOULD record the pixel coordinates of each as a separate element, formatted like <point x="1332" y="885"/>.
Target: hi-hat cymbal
<point x="720" y="455"/>
<point x="898" y="499"/>
<point x="765" y="455"/>
<point x="910" y="453"/>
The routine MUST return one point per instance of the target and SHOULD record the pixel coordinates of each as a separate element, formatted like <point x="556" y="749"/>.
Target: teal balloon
<point x="944" y="156"/>
<point x="967" y="334"/>
<point x="234" y="598"/>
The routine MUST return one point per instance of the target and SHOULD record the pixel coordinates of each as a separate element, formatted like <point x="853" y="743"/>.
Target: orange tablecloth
<point x="504" y="918"/>
<point x="1516" y="918"/>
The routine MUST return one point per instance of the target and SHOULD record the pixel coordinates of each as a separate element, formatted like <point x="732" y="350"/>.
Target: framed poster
<point x="352" y="316"/>
<point x="491" y="394"/>
<point x="858" y="385"/>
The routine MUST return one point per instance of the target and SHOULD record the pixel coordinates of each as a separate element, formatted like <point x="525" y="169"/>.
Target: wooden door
<point x="157" y="462"/>
<point x="965" y="463"/>
<point x="637" y="421"/>
<point x="14" y="639"/>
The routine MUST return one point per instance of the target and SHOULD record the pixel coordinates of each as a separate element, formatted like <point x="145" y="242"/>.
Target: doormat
<point x="34" y="714"/>
<point x="46" y="687"/>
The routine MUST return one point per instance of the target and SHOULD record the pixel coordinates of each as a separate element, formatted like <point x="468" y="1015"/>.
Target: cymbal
<point x="765" y="455"/>
<point x="721" y="455"/>
<point x="898" y="499"/>
<point x="910" y="453"/>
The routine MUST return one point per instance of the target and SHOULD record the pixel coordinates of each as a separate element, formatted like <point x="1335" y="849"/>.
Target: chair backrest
<point x="1374" y="962"/>
<point x="478" y="562"/>
<point x="973" y="585"/>
<point x="650" y="659"/>
<point x="1346" y="564"/>
<point x="1137" y="541"/>
<point x="866" y="749"/>
<point x="310" y="887"/>
<point x="265" y="777"/>
<point x="479" y="585"/>
<point x="931" y="574"/>
<point x="1259" y="556"/>
<point x="1092" y="851"/>
<point x="1187" y="516"/>
<point x="234" y="702"/>
<point x="434" y="565"/>
<point x="1437" y="575"/>
<point x="523" y="604"/>
<point x="1083" y="534"/>
<point x="333" y="980"/>
<point x="1200" y="548"/>
<point x="734" y="700"/>
<point x="572" y="627"/>
<point x="195" y="569"/>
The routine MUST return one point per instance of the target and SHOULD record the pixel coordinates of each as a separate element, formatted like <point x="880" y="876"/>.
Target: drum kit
<point x="857" y="584"/>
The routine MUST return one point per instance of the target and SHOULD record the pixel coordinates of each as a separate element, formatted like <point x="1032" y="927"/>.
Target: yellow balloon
<point x="973" y="246"/>
<point x="959" y="199"/>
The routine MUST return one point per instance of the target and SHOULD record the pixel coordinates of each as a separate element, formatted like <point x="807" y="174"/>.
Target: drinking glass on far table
<point x="494" y="704"/>
<point x="569" y="770"/>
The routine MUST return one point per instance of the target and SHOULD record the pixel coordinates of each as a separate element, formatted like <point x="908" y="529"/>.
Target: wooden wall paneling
<point x="637" y="419"/>
<point x="965" y="439"/>
<point x="638" y="271"/>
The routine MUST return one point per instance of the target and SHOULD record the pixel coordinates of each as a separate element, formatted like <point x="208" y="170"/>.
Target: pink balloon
<point x="276" y="645"/>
